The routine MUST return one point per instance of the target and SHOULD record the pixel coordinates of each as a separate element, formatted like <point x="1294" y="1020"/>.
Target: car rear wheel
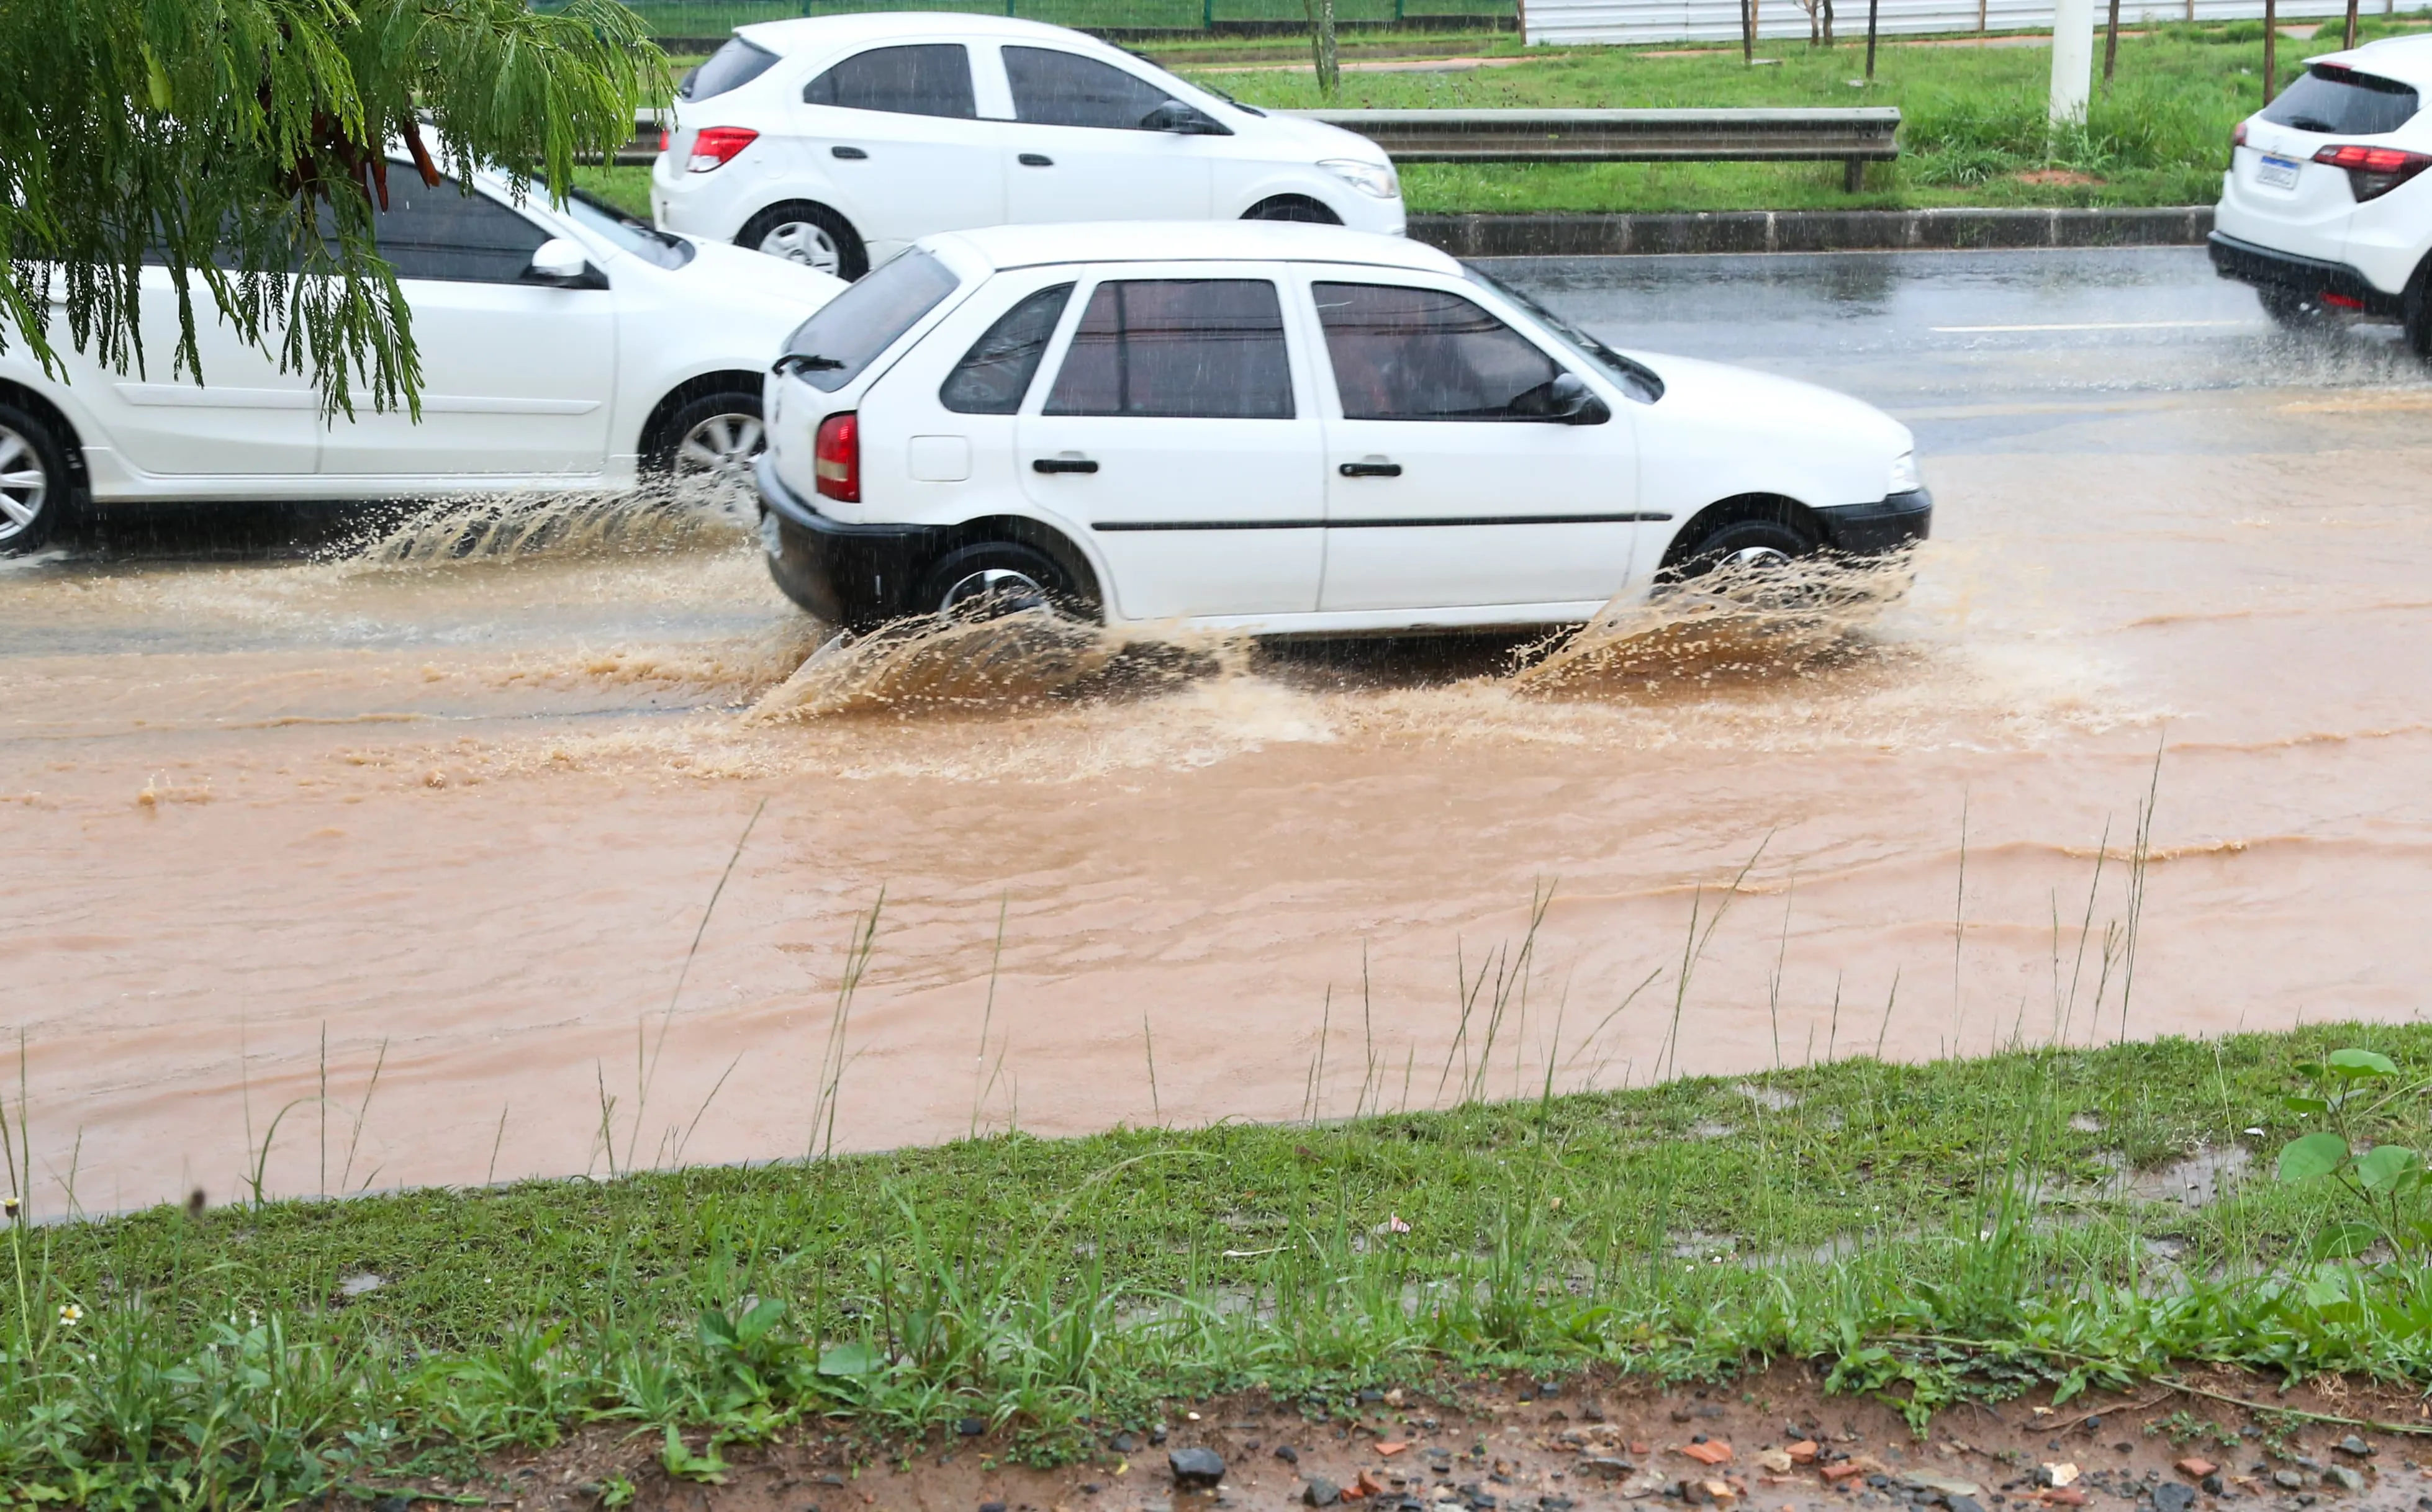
<point x="998" y="578"/>
<point x="2291" y="310"/>
<point x="33" y="481"/>
<point x="812" y="235"/>
<point x="2417" y="309"/>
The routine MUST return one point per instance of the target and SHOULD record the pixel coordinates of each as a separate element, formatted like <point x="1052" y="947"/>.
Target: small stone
<point x="1607" y="1466"/>
<point x="1802" y="1452"/>
<point x="1707" y="1451"/>
<point x="2353" y="1445"/>
<point x="971" y="1427"/>
<point x="2064" y="1496"/>
<point x="2287" y="1480"/>
<point x="1321" y="1492"/>
<point x="1776" y="1460"/>
<point x="1288" y="1454"/>
<point x="992" y="1507"/>
<point x="2173" y="1497"/>
<point x="2213" y="1485"/>
<point x="1123" y="1444"/>
<point x="2196" y="1469"/>
<point x="1964" y="1503"/>
<point x="2344" y="1478"/>
<point x="1156" y="1434"/>
<point x="391" y="1504"/>
<point x="1695" y="1493"/>
<point x="1370" y="1398"/>
<point x="1200" y="1468"/>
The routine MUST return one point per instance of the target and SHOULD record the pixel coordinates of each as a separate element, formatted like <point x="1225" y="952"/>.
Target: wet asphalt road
<point x="1977" y="351"/>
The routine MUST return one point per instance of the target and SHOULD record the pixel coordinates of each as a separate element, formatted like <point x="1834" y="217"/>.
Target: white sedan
<point x="837" y="141"/>
<point x="1279" y="429"/>
<point x="566" y="347"/>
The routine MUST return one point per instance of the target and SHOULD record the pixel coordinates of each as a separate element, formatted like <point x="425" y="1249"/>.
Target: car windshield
<point x="2329" y="98"/>
<point x="829" y="350"/>
<point x="1636" y="379"/>
<point x="731" y="67"/>
<point x="625" y="232"/>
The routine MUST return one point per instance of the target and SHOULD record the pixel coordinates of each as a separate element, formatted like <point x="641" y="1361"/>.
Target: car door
<point x="896" y="130"/>
<point x="237" y="416"/>
<point x="1447" y="483"/>
<point x="1176" y="431"/>
<point x="1077" y="149"/>
<point x="517" y="377"/>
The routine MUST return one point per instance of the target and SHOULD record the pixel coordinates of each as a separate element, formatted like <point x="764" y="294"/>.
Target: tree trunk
<point x="2350" y="41"/>
<point x="1321" y="40"/>
<point x="1747" y="31"/>
<point x="2111" y="47"/>
<point x="1874" y="17"/>
<point x="1827" y="23"/>
<point x="2270" y="48"/>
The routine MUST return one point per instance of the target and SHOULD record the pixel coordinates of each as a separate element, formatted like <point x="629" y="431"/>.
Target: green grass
<point x="1934" y="1232"/>
<point x="709" y="18"/>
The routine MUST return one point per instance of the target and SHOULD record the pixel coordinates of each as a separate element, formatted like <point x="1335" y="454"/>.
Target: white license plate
<point x="2277" y="172"/>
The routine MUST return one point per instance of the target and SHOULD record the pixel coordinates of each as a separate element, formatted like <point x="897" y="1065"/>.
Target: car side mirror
<point x="1571" y="402"/>
<point x="563" y="262"/>
<point x="1180" y="119"/>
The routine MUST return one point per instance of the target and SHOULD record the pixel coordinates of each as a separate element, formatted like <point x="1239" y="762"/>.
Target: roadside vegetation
<point x="1968" y="1229"/>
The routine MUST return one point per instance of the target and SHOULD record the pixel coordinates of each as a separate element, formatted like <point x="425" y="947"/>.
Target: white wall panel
<point x="1658" y="21"/>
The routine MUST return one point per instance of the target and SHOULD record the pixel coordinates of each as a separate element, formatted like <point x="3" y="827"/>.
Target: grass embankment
<point x="1974" y="132"/>
<point x="1933" y="1232"/>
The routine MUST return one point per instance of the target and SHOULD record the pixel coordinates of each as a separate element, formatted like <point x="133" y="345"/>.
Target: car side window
<point x="1424" y="354"/>
<point x="440" y="232"/>
<point x="996" y="371"/>
<point x="1210" y="348"/>
<point x="927" y="79"/>
<point x="1053" y="88"/>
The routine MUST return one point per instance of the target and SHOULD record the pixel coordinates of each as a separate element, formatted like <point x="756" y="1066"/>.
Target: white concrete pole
<point x="2073" y="58"/>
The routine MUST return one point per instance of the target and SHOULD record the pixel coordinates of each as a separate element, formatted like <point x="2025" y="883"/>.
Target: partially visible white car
<point x="2327" y="205"/>
<point x="566" y="347"/>
<point x="838" y="141"/>
<point x="1279" y="429"/>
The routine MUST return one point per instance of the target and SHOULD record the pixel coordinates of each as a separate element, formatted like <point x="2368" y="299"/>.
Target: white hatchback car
<point x="566" y="347"/>
<point x="2327" y="205"/>
<point x="838" y="141"/>
<point x="1280" y="428"/>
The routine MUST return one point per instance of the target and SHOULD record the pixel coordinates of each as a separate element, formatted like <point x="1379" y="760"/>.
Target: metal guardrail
<point x="1853" y="136"/>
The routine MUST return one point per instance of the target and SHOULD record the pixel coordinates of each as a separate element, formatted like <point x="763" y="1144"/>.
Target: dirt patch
<point x="2056" y="178"/>
<point x="1769" y="1440"/>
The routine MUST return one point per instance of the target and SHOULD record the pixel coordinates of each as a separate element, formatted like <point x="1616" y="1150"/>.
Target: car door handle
<point x="1371" y="469"/>
<point x="1036" y="160"/>
<point x="851" y="154"/>
<point x="1063" y="464"/>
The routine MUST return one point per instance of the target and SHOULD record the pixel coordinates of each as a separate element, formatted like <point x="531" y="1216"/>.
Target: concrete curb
<point x="1575" y="236"/>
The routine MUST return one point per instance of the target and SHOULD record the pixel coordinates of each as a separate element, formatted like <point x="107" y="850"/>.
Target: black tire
<point x="2291" y="310"/>
<point x="716" y="435"/>
<point x="1293" y="208"/>
<point x="34" y="480"/>
<point x="2415" y="307"/>
<point x="995" y="577"/>
<point x="811" y="234"/>
<point x="1750" y="544"/>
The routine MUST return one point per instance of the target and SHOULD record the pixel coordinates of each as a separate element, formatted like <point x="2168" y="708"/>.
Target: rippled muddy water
<point x="453" y="801"/>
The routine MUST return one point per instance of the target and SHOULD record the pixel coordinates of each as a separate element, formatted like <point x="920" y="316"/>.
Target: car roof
<point x="2407" y="59"/>
<point x="802" y="33"/>
<point x="1024" y="246"/>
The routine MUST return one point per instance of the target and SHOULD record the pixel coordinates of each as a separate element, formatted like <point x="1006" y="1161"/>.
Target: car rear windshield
<point x="829" y="350"/>
<point x="731" y="67"/>
<point x="2340" y="100"/>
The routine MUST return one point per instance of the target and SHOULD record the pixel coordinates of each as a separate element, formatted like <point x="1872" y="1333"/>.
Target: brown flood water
<point x="461" y="816"/>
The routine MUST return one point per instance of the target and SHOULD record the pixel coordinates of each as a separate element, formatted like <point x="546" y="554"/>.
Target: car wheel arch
<point x="854" y="249"/>
<point x="1293" y="206"/>
<point x="1023" y="530"/>
<point x="1778" y="509"/>
<point x="654" y="437"/>
<point x="64" y="430"/>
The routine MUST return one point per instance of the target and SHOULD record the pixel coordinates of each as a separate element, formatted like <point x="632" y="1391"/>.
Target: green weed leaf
<point x="2382" y="1168"/>
<point x="850" y="1359"/>
<point x="2316" y="1154"/>
<point x="2362" y="1062"/>
<point x="2342" y="1242"/>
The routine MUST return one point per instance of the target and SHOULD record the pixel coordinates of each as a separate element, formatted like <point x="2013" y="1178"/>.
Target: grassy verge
<point x="1969" y="1228"/>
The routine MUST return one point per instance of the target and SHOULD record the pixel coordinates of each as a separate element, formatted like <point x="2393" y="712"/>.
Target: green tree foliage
<point x="242" y="143"/>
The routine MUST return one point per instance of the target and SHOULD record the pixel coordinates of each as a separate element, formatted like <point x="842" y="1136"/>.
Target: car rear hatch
<point x="2306" y="203"/>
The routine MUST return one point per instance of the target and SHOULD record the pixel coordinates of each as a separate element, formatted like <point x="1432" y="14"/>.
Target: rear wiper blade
<point x="806" y="363"/>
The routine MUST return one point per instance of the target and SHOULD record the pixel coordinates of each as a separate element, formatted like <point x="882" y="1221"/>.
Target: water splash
<point x="657" y="519"/>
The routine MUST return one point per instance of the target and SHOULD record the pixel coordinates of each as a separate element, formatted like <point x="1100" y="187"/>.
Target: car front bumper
<point x="2310" y="277"/>
<point x="1891" y="524"/>
<point x="855" y="575"/>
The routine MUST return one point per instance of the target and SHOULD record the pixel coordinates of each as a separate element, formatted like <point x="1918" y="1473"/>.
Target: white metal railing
<point x="1656" y="21"/>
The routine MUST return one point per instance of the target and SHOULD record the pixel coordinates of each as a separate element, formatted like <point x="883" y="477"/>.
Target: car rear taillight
<point x="2373" y="172"/>
<point x="716" y="147"/>
<point x="836" y="457"/>
<point x="2236" y="138"/>
<point x="663" y="138"/>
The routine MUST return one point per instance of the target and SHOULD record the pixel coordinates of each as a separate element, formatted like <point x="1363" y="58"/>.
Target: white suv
<point x="1282" y="428"/>
<point x="566" y="347"/>
<point x="838" y="141"/>
<point x="2327" y="205"/>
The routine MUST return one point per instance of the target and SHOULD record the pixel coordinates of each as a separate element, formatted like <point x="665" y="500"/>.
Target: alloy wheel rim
<point x="722" y="448"/>
<point x="991" y="592"/>
<point x="1756" y="559"/>
<point x="804" y="243"/>
<point x="25" y="484"/>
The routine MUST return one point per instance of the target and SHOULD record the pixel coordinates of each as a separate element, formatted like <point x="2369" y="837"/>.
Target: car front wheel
<point x="33" y="481"/>
<point x="1746" y="547"/>
<point x="712" y="442"/>
<point x="812" y="235"/>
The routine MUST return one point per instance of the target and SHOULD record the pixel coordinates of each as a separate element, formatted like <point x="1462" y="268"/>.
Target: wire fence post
<point x="2270" y="48"/>
<point x="1206" y="15"/>
<point x="1874" y="15"/>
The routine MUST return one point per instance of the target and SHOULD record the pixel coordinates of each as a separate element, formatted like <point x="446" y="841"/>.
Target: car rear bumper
<point x="2311" y="277"/>
<point x="855" y="575"/>
<point x="1891" y="524"/>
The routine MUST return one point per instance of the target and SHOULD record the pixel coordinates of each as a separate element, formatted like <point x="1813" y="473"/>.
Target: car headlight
<point x="1376" y="178"/>
<point x="1906" y="478"/>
